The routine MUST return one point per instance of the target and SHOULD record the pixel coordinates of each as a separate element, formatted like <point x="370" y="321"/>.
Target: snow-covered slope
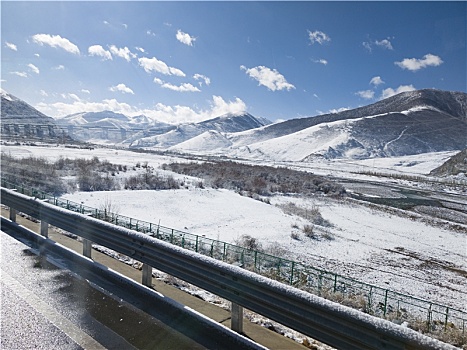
<point x="15" y="110"/>
<point x="184" y="132"/>
<point x="409" y="123"/>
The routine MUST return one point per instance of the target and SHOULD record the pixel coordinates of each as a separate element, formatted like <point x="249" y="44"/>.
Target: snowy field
<point x="374" y="246"/>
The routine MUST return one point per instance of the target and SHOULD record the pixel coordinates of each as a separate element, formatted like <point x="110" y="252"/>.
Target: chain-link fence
<point x="419" y="314"/>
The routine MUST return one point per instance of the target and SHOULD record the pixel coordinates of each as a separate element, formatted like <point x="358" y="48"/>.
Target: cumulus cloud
<point x="56" y="41"/>
<point x="366" y="94"/>
<point x="391" y="92"/>
<point x="33" y="68"/>
<point x="207" y="81"/>
<point x="376" y="81"/>
<point x="11" y="46"/>
<point x="98" y="50"/>
<point x="221" y="107"/>
<point x="270" y="78"/>
<point x="20" y="74"/>
<point x="153" y="64"/>
<point x="124" y="52"/>
<point x="321" y="61"/>
<point x="318" y="37"/>
<point x="414" y="64"/>
<point x="170" y="114"/>
<point x="185" y="38"/>
<point x="122" y="88"/>
<point x="185" y="87"/>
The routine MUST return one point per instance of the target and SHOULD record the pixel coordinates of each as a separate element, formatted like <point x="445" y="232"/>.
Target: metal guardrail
<point x="331" y="323"/>
<point x="384" y="303"/>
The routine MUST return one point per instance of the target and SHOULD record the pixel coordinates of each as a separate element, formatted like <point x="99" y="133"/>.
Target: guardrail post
<point x="13" y="214"/>
<point x="147" y="275"/>
<point x="87" y="247"/>
<point x="44" y="229"/>
<point x="236" y="318"/>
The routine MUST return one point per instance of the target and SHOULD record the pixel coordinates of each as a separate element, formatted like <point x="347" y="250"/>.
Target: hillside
<point x="455" y="165"/>
<point x="406" y="124"/>
<point x="16" y="111"/>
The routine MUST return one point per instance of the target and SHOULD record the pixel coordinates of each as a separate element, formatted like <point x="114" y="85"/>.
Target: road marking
<point x="77" y="335"/>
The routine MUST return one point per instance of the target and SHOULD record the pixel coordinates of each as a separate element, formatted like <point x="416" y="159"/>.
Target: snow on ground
<point x="372" y="246"/>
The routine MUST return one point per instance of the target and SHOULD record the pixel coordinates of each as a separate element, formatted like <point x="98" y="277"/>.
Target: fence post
<point x="291" y="274"/>
<point x="385" y="302"/>
<point x="236" y="318"/>
<point x="44" y="229"/>
<point x="446" y="320"/>
<point x="87" y="247"/>
<point x="147" y="275"/>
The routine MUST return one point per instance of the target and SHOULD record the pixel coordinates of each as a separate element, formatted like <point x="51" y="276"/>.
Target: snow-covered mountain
<point x="409" y="123"/>
<point x="224" y="124"/>
<point x="16" y="111"/>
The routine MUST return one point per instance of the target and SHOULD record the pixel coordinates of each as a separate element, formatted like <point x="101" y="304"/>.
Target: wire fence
<point x="423" y="315"/>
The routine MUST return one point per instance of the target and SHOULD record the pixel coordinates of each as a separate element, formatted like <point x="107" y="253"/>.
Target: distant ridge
<point x="15" y="110"/>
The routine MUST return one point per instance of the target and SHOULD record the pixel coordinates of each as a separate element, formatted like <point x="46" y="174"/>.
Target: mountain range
<point x="409" y="123"/>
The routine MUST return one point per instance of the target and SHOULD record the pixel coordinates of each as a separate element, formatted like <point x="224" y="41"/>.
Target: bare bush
<point x="261" y="180"/>
<point x="248" y="242"/>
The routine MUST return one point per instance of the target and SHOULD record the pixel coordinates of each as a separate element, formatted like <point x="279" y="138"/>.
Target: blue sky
<point x="191" y="61"/>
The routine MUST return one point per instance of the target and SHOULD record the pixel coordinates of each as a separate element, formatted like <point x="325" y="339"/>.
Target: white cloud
<point x="140" y="49"/>
<point x="391" y="92"/>
<point x="185" y="87"/>
<point x="367" y="45"/>
<point x="59" y="67"/>
<point x="125" y="25"/>
<point x="20" y="74"/>
<point x="338" y="110"/>
<point x="56" y="41"/>
<point x="85" y="91"/>
<point x="43" y="93"/>
<point x="272" y="79"/>
<point x="11" y="46"/>
<point x="221" y="107"/>
<point x="185" y="38"/>
<point x="322" y="61"/>
<point x="376" y="81"/>
<point x="150" y="33"/>
<point x="414" y="64"/>
<point x="318" y="37"/>
<point x="37" y="55"/>
<point x="105" y="22"/>
<point x="122" y="52"/>
<point x="385" y="44"/>
<point x="122" y="88"/>
<point x="33" y="68"/>
<point x="207" y="81"/>
<point x="170" y="114"/>
<point x="153" y="64"/>
<point x="366" y="94"/>
<point x="98" y="50"/>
